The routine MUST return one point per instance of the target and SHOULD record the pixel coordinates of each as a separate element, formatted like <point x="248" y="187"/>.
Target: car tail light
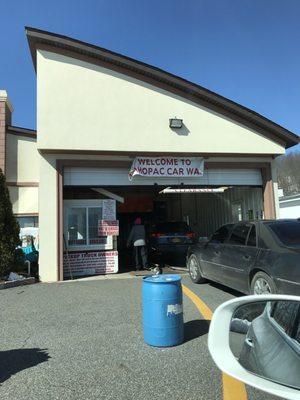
<point x="191" y="235"/>
<point x="157" y="234"/>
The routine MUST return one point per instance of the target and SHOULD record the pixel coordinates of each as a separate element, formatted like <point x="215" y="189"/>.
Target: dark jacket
<point x="137" y="232"/>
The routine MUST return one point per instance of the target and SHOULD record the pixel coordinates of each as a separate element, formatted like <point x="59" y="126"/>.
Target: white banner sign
<point x="167" y="167"/>
<point x="90" y="263"/>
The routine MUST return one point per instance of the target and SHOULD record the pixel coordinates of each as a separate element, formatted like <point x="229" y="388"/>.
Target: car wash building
<point x="117" y="138"/>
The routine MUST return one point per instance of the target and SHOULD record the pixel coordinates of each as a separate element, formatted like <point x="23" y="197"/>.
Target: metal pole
<point x="29" y="267"/>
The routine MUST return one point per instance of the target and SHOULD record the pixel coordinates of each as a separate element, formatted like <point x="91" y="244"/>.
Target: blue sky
<point x="248" y="51"/>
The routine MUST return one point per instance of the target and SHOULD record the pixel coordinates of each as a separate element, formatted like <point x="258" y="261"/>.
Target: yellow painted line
<point x="202" y="307"/>
<point x="232" y="388"/>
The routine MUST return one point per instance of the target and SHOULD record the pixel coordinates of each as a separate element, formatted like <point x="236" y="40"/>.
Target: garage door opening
<point x="88" y="253"/>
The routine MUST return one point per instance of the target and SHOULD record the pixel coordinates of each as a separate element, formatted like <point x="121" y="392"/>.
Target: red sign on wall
<point x="108" y="228"/>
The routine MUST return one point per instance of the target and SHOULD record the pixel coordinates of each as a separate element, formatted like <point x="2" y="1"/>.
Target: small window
<point x="221" y="234"/>
<point x="252" y="237"/>
<point x="239" y="234"/>
<point x="81" y="228"/>
<point x="285" y="313"/>
<point x="28" y="222"/>
<point x="77" y="226"/>
<point x="95" y="214"/>
<point x="237" y="211"/>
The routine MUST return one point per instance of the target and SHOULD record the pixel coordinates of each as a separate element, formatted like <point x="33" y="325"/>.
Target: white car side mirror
<point x="256" y="339"/>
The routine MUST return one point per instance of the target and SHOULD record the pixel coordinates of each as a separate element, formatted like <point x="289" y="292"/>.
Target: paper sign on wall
<point x="167" y="167"/>
<point x="90" y="263"/>
<point x="109" y="209"/>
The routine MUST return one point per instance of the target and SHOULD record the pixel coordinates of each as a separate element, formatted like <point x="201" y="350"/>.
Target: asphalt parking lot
<point x="83" y="340"/>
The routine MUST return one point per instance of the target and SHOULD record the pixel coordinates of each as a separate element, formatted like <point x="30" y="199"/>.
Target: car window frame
<point x="256" y="235"/>
<point x="296" y="327"/>
<point x="290" y="339"/>
<point x="229" y="234"/>
<point x="291" y="322"/>
<point x="292" y="342"/>
<point x="246" y="240"/>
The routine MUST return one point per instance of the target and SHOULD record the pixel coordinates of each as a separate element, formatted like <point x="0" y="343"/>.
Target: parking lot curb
<point x="12" y="284"/>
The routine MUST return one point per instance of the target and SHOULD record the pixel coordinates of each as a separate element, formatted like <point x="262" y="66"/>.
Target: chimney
<point x="5" y="119"/>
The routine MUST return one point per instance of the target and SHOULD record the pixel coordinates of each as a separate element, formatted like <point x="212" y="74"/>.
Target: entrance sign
<point x="109" y="209"/>
<point x="167" y="167"/>
<point x="90" y="263"/>
<point x="108" y="228"/>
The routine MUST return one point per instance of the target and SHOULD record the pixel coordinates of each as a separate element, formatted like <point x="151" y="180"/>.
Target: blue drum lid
<point x="164" y="278"/>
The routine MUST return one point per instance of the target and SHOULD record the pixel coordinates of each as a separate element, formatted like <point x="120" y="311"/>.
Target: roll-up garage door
<point x="119" y="177"/>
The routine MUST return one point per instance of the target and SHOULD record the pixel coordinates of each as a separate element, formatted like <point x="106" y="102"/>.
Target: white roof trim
<point x="4" y="97"/>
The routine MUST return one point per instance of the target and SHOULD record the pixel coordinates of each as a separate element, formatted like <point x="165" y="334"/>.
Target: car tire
<point x="194" y="269"/>
<point x="262" y="283"/>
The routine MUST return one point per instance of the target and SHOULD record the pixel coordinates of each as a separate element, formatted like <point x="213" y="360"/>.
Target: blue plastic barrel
<point x="162" y="310"/>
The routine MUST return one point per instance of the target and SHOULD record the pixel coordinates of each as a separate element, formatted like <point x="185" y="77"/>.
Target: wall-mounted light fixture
<point x="175" y="123"/>
<point x="194" y="190"/>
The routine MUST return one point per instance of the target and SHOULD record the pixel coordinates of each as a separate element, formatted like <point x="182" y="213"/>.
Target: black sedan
<point x="257" y="257"/>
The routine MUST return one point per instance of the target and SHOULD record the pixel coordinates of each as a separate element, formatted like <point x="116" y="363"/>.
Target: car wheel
<point x="194" y="269"/>
<point x="262" y="284"/>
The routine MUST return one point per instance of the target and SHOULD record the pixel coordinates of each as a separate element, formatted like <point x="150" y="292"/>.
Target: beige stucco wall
<point x="48" y="219"/>
<point x="22" y="167"/>
<point x="86" y="107"/>
<point x="21" y="159"/>
<point x="24" y="199"/>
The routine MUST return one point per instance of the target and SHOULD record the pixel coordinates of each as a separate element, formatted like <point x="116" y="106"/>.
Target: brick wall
<point x="5" y="119"/>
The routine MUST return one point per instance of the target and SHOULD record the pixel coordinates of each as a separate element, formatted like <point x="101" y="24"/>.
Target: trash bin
<point x="162" y="310"/>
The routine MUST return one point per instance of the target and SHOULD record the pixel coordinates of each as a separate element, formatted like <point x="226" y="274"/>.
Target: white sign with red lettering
<point x="108" y="228"/>
<point x="90" y="263"/>
<point x="167" y="167"/>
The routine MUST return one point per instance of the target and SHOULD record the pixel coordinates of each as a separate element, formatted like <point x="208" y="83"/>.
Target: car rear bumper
<point x="168" y="250"/>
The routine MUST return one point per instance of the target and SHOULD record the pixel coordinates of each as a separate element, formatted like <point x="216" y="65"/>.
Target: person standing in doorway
<point x="137" y="237"/>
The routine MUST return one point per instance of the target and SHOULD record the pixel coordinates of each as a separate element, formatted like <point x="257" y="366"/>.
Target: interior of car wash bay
<point x="101" y="204"/>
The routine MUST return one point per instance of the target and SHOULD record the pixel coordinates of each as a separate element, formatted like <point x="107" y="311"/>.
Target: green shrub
<point x="9" y="232"/>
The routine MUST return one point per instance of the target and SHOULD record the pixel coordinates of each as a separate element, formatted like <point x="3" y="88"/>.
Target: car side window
<point x="252" y="237"/>
<point x="285" y="313"/>
<point x="239" y="234"/>
<point x="221" y="234"/>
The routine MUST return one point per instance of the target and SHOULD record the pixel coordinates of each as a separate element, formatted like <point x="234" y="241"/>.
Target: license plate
<point x="176" y="240"/>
